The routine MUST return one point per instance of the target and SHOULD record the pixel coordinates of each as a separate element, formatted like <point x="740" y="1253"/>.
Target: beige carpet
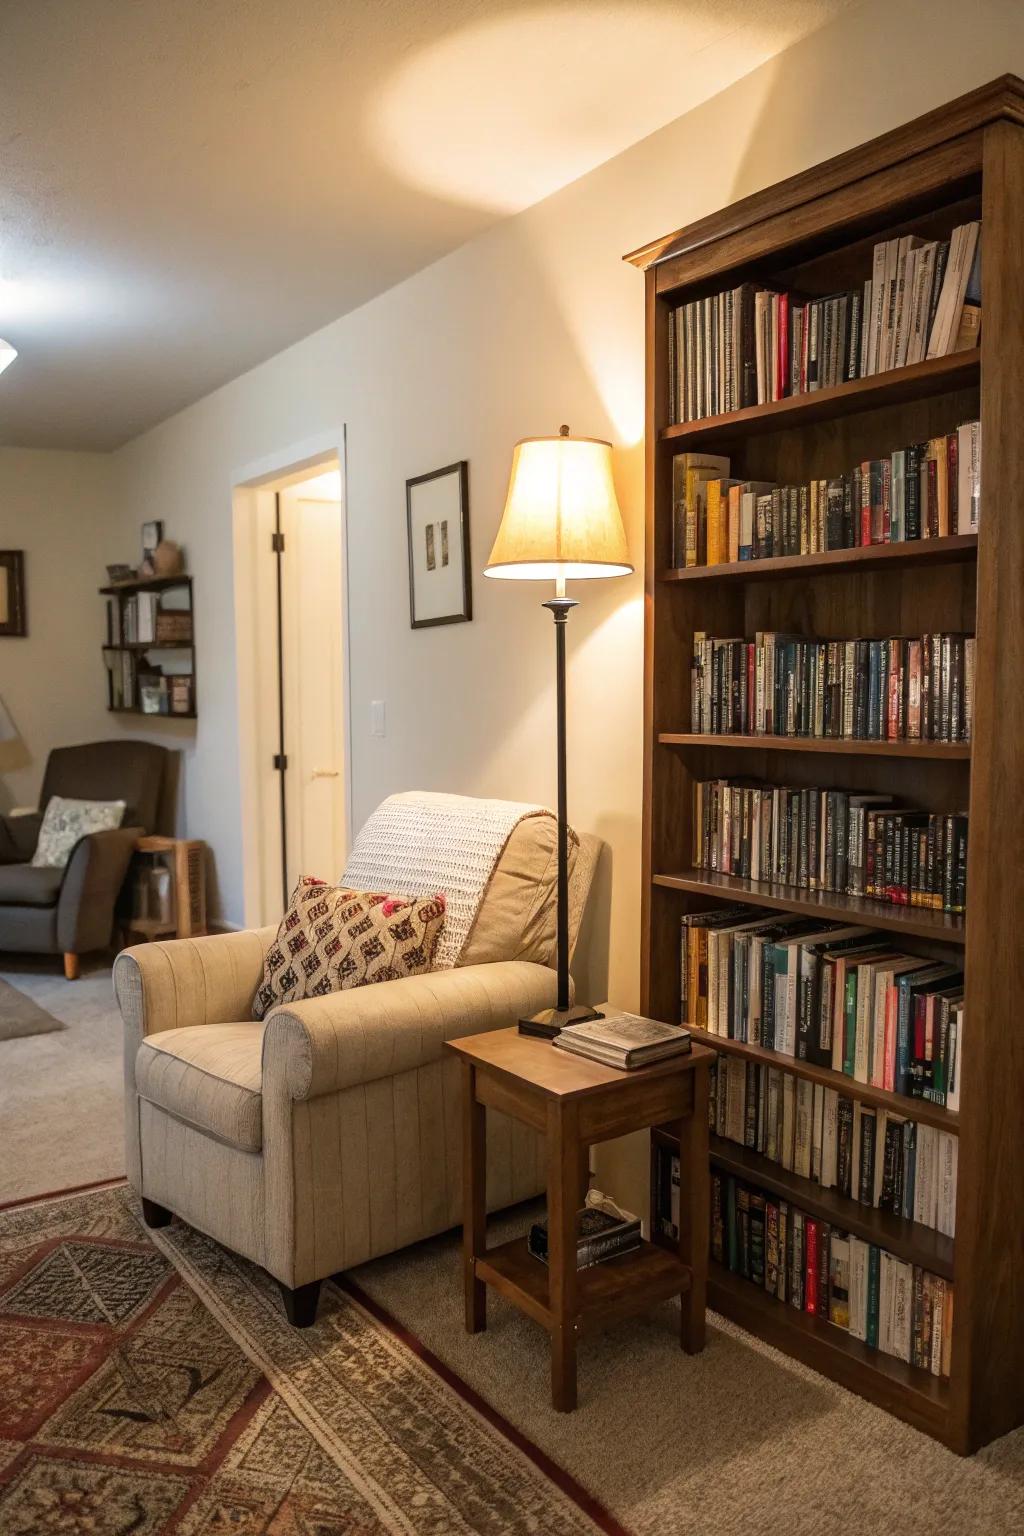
<point x="61" y="1093"/>
<point x="739" y="1441"/>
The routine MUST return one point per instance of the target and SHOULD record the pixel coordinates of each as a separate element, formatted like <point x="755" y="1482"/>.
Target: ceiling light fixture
<point x="7" y="354"/>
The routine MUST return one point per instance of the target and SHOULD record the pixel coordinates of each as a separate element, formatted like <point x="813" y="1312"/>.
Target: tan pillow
<point x="516" y="920"/>
<point x="332" y="938"/>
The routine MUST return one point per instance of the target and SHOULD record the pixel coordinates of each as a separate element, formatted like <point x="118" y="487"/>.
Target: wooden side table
<point x="577" y="1103"/>
<point x="187" y="860"/>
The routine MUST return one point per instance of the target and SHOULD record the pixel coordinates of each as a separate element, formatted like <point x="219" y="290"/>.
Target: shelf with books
<point x="814" y="237"/>
<point x="896" y="1103"/>
<point x="831" y="906"/>
<point x="849" y="746"/>
<point x="906" y="1239"/>
<point x="909" y="552"/>
<point x="914" y="382"/>
<point x="900" y="1388"/>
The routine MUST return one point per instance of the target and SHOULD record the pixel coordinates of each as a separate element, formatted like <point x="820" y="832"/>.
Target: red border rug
<point x="149" y="1383"/>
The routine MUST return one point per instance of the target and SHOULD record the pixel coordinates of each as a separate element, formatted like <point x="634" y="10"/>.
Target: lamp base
<point x="551" y="1021"/>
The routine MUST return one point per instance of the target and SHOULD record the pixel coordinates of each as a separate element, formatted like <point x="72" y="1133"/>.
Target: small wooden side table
<point x="187" y="860"/>
<point x="577" y="1103"/>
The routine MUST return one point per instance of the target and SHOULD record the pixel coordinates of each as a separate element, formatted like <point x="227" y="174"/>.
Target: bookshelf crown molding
<point x="1000" y="99"/>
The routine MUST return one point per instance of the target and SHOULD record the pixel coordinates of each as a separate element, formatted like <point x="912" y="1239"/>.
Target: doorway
<point x="293" y="682"/>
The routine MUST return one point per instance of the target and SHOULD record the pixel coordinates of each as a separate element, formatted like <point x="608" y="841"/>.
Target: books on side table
<point x="603" y="1231"/>
<point x="624" y="1040"/>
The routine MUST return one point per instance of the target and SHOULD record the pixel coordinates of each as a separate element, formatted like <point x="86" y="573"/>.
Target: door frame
<point x="250" y="485"/>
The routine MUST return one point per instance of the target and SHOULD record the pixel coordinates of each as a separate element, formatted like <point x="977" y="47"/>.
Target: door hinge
<point x="277" y="543"/>
<point x="280" y="761"/>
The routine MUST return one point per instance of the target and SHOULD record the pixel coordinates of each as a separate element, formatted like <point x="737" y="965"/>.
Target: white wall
<point x="58" y="508"/>
<point x="535" y="323"/>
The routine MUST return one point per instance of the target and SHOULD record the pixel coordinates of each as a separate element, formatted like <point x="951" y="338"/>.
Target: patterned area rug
<point x="149" y="1383"/>
<point x="20" y="1016"/>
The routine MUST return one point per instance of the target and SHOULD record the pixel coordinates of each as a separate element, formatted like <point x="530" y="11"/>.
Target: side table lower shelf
<point x="605" y="1293"/>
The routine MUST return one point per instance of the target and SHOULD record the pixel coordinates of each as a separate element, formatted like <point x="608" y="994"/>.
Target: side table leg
<point x="563" y="1194"/>
<point x="694" y="1213"/>
<point x="474" y="1199"/>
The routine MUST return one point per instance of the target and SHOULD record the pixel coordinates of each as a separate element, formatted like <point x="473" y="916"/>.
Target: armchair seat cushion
<point x="209" y="1076"/>
<point x="25" y="885"/>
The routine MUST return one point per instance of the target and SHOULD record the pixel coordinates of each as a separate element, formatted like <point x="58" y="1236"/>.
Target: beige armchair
<point x="331" y="1133"/>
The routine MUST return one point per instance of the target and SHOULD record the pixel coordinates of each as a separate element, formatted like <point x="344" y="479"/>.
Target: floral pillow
<point x="66" y="822"/>
<point x="332" y="938"/>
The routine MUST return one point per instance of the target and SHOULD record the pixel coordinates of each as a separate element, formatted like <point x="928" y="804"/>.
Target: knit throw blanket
<point x="418" y="843"/>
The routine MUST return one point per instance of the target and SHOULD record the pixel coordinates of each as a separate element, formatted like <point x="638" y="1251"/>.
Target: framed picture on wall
<point x="440" y="579"/>
<point x="13" y="620"/>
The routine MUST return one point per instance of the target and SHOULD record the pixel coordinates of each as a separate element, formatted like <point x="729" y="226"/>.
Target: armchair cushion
<point x="210" y="1077"/>
<point x="22" y="885"/>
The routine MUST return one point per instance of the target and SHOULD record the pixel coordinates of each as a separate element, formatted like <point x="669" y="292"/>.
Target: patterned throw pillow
<point x="66" y="822"/>
<point x="332" y="938"/>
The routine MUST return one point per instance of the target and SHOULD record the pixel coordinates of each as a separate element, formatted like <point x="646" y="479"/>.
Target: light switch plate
<point x="378" y="722"/>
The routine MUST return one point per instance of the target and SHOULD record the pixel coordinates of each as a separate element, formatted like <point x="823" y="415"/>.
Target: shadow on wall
<point x="590" y="961"/>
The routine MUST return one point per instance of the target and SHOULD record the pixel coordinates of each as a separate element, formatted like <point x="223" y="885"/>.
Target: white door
<point x="313" y="685"/>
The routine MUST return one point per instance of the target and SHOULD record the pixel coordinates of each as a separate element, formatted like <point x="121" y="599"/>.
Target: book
<point x="624" y="1040"/>
<point x="600" y="1235"/>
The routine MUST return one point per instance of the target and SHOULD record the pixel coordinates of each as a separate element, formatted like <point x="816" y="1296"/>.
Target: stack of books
<point x="750" y="345"/>
<point x="601" y="1234"/>
<point x="902" y="688"/>
<point x="624" y="1040"/>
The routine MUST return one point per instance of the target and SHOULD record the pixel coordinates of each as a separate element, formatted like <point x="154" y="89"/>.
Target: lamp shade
<point x="561" y="518"/>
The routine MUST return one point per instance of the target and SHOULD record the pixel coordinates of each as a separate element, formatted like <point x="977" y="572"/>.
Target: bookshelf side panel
<point x="988" y="1346"/>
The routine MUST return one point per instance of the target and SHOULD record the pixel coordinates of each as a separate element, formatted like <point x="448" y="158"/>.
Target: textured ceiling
<point x="187" y="186"/>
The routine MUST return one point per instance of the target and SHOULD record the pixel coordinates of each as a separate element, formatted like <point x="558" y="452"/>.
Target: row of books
<point x="834" y="996"/>
<point x="121" y="665"/>
<point x="749" y="345"/>
<point x="926" y="490"/>
<point x="898" y="689"/>
<point x="890" y="1305"/>
<point x="137" y="619"/>
<point x="832" y="840"/>
<point x="880" y="1159"/>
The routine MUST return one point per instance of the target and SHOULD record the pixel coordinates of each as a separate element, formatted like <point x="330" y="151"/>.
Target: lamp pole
<point x="560" y="607"/>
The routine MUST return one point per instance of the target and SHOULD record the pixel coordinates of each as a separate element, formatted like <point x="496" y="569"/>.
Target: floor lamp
<point x="561" y="523"/>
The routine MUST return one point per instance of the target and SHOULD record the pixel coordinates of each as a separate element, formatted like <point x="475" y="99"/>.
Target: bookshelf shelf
<point x="830" y="906"/>
<point x="814" y="236"/>
<point x="843" y="747"/>
<point x="916" y="382"/>
<point x="915" y="552"/>
<point x="897" y="1103"/>
<point x="128" y="662"/>
<point x="906" y="1239"/>
<point x="922" y="1399"/>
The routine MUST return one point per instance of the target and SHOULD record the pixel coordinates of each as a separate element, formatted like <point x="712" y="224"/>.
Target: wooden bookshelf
<point x="118" y="595"/>
<point x="814" y="234"/>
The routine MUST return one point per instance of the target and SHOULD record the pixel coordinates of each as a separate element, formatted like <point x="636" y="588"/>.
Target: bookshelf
<point x="814" y="234"/>
<point x="146" y="654"/>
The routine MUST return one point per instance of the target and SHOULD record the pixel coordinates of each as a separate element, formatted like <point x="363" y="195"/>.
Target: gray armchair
<point x="70" y="911"/>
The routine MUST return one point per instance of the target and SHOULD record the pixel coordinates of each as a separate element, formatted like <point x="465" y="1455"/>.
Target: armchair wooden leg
<point x="155" y="1215"/>
<point x="300" y="1305"/>
<point x="71" y="965"/>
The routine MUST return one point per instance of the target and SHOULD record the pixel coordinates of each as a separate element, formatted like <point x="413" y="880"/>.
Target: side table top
<point x="561" y="1074"/>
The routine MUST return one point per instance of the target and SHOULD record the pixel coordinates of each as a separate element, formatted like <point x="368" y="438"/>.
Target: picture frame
<point x="13" y="615"/>
<point x="152" y="533"/>
<point x="437" y="527"/>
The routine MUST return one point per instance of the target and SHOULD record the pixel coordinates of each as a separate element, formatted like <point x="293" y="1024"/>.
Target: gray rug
<point x="20" y="1016"/>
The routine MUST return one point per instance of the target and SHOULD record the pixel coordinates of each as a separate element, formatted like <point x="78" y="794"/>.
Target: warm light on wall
<point x="7" y="354"/>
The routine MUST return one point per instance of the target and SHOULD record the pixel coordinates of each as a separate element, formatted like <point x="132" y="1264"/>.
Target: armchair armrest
<point x="190" y="981"/>
<point x="19" y="834"/>
<point x="92" y="880"/>
<point x="328" y="1043"/>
